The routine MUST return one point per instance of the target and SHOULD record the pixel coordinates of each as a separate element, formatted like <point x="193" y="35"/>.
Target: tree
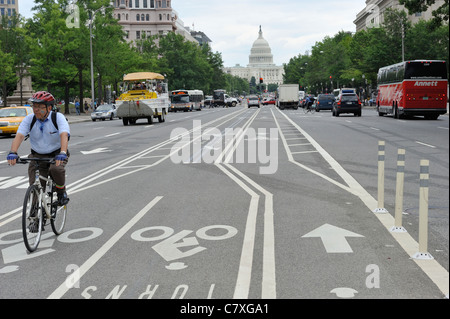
<point x="420" y="37"/>
<point x="13" y="42"/>
<point x="7" y="76"/>
<point x="55" y="49"/>
<point x="294" y="71"/>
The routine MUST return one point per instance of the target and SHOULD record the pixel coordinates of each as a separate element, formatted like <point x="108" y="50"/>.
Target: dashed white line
<point x="424" y="144"/>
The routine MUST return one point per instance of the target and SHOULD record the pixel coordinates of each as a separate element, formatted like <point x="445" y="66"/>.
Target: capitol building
<point x="260" y="64"/>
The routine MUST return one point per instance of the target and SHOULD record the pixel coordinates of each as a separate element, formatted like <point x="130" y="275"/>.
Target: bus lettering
<point x="421" y="83"/>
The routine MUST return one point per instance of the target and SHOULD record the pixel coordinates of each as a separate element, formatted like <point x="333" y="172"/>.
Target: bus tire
<point x="125" y="121"/>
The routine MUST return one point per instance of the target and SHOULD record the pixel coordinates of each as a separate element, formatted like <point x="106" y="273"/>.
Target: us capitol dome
<point x="260" y="64"/>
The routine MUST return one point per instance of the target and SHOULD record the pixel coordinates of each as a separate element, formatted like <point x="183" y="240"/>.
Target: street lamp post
<point x="91" y="19"/>
<point x="92" y="60"/>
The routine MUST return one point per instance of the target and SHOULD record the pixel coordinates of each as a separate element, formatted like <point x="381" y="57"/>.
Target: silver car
<point x="253" y="100"/>
<point x="104" y="111"/>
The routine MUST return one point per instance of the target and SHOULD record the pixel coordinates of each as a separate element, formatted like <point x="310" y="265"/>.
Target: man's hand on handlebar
<point x="60" y="158"/>
<point x="12" y="158"/>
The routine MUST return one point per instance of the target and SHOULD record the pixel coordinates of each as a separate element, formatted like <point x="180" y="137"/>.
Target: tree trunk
<point x="66" y="99"/>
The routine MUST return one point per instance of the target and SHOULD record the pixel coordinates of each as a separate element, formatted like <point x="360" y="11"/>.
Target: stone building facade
<point x="144" y="18"/>
<point x="373" y="14"/>
<point x="9" y="7"/>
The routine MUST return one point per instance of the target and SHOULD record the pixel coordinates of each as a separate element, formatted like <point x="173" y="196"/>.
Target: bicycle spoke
<point x="58" y="219"/>
<point x="32" y="219"/>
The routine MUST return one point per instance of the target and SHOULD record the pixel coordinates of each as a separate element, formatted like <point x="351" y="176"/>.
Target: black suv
<point x="347" y="103"/>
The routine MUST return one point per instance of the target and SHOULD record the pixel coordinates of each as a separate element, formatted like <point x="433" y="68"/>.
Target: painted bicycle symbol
<point x="170" y="247"/>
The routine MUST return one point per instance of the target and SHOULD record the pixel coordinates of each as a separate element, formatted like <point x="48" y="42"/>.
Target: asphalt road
<point x="236" y="203"/>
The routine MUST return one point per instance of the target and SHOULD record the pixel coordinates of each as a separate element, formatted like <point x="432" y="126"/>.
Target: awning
<point x="138" y="76"/>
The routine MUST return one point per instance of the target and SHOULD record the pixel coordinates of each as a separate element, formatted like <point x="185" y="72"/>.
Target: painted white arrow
<point x="333" y="238"/>
<point x="97" y="150"/>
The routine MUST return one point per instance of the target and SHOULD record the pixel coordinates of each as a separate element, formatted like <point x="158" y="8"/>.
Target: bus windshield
<point x="425" y="70"/>
<point x="180" y="99"/>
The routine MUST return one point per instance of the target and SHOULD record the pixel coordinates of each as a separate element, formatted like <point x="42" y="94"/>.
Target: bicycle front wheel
<point x="58" y="219"/>
<point x="32" y="218"/>
<point x="305" y="109"/>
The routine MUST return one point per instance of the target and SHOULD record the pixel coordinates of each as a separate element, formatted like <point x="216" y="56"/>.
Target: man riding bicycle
<point x="48" y="138"/>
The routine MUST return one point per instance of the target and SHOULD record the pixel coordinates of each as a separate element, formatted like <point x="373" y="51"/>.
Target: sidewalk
<point x="74" y="118"/>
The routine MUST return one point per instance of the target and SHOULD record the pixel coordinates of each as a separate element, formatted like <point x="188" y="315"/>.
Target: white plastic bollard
<point x="398" y="228"/>
<point x="381" y="156"/>
<point x="423" y="211"/>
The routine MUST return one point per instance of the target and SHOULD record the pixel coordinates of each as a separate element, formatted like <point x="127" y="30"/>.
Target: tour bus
<point x="197" y="98"/>
<point x="417" y="87"/>
<point x="179" y="101"/>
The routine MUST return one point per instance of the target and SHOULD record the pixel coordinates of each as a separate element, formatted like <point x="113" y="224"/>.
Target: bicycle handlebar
<point x="25" y="160"/>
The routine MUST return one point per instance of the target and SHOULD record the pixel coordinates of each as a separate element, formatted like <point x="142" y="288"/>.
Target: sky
<point x="291" y="27"/>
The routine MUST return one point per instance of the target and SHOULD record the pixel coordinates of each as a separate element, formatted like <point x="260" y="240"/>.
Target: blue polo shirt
<point x="44" y="137"/>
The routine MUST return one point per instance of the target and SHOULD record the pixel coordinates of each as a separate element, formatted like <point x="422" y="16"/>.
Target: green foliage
<point x="59" y="55"/>
<point x="354" y="60"/>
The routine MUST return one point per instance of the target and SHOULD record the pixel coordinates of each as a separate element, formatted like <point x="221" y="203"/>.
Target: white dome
<point x="261" y="53"/>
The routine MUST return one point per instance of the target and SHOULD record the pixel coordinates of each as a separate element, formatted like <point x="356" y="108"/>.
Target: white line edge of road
<point x="76" y="276"/>
<point x="438" y="274"/>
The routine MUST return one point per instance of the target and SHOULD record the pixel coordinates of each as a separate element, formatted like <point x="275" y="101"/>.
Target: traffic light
<point x="261" y="80"/>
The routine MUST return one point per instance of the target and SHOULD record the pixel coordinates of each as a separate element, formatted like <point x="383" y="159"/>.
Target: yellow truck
<point x="144" y="96"/>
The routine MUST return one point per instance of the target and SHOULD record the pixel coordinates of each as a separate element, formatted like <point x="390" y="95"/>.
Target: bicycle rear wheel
<point x="313" y="110"/>
<point x="58" y="220"/>
<point x="32" y="218"/>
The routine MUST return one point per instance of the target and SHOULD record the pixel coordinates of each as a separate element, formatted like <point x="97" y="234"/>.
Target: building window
<point x="142" y="17"/>
<point x="130" y="3"/>
<point x="136" y="4"/>
<point x="147" y="17"/>
<point x="144" y="4"/>
<point x="127" y="34"/>
<point x="160" y="17"/>
<point x="138" y="17"/>
<point x="138" y="34"/>
<point x="152" y="3"/>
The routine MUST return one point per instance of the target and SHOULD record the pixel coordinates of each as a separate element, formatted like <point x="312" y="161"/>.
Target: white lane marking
<point x="242" y="288"/>
<point x="268" y="290"/>
<point x="424" y="144"/>
<point x="88" y="264"/>
<point x="113" y="134"/>
<point x="438" y="274"/>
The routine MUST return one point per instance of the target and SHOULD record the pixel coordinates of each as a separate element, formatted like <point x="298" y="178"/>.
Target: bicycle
<point x="40" y="205"/>
<point x="309" y="108"/>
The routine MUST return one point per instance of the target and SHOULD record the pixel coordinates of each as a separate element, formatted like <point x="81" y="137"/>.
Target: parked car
<point x="324" y="102"/>
<point x="253" y="100"/>
<point x="104" y="111"/>
<point x="11" y="117"/>
<point x="269" y="101"/>
<point x="347" y="103"/>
